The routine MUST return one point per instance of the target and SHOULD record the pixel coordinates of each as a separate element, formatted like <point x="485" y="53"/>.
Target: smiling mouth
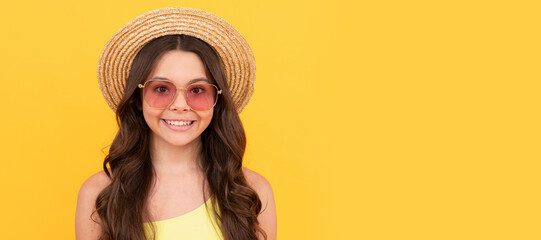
<point x="179" y="123"/>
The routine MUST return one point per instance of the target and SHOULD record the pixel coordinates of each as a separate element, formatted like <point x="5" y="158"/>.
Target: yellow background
<point x="371" y="119"/>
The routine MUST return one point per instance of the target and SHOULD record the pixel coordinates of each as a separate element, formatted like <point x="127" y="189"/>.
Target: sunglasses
<point x="199" y="96"/>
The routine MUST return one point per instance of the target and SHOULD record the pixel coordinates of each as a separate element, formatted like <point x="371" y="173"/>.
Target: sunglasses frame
<point x="218" y="92"/>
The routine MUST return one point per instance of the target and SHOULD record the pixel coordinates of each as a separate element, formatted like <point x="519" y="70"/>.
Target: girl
<point x="177" y="79"/>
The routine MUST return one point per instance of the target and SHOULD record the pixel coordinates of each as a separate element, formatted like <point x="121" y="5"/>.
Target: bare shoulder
<point x="260" y="184"/>
<point x="86" y="225"/>
<point x="95" y="183"/>
<point x="256" y="180"/>
<point x="267" y="217"/>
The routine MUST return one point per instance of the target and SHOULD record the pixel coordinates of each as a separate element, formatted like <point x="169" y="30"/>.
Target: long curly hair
<point x="121" y="206"/>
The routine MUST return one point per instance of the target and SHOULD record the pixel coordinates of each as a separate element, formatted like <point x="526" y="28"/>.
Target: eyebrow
<point x="190" y="82"/>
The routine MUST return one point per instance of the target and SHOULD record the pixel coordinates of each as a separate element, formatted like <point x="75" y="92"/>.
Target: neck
<point x="169" y="159"/>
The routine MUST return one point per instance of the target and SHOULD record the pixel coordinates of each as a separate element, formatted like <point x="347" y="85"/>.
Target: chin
<point x="181" y="143"/>
<point x="178" y="141"/>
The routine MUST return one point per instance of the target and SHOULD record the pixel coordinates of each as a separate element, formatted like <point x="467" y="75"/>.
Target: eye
<point x="197" y="89"/>
<point x="161" y="89"/>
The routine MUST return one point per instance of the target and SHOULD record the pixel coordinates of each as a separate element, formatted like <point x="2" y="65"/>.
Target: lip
<point x="185" y="120"/>
<point x="178" y="128"/>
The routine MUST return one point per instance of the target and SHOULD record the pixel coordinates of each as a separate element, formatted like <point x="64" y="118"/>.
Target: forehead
<point x="179" y="67"/>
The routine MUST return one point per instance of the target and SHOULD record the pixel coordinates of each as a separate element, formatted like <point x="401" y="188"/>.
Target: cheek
<point x="210" y="115"/>
<point x="150" y="116"/>
<point x="206" y="118"/>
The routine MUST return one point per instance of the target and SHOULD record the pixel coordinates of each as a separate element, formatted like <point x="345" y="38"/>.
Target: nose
<point x="179" y="102"/>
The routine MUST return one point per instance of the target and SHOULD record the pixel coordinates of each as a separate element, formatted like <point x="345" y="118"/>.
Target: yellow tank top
<point x="196" y="224"/>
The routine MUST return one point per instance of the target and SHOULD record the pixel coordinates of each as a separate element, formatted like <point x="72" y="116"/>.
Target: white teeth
<point x="179" y="123"/>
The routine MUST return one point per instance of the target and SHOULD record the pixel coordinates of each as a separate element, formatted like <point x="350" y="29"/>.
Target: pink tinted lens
<point x="201" y="96"/>
<point x="159" y="93"/>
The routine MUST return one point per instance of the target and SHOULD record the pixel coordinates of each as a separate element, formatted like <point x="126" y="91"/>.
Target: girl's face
<point x="177" y="125"/>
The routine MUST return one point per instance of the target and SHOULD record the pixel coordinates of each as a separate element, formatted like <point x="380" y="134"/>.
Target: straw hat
<point x="237" y="58"/>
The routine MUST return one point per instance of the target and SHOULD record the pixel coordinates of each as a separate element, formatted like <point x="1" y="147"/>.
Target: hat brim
<point x="117" y="56"/>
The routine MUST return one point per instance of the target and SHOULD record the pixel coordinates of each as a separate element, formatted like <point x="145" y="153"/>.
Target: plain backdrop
<point x="371" y="119"/>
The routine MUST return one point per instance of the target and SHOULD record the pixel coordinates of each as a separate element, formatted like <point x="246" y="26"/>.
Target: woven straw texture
<point x="237" y="58"/>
